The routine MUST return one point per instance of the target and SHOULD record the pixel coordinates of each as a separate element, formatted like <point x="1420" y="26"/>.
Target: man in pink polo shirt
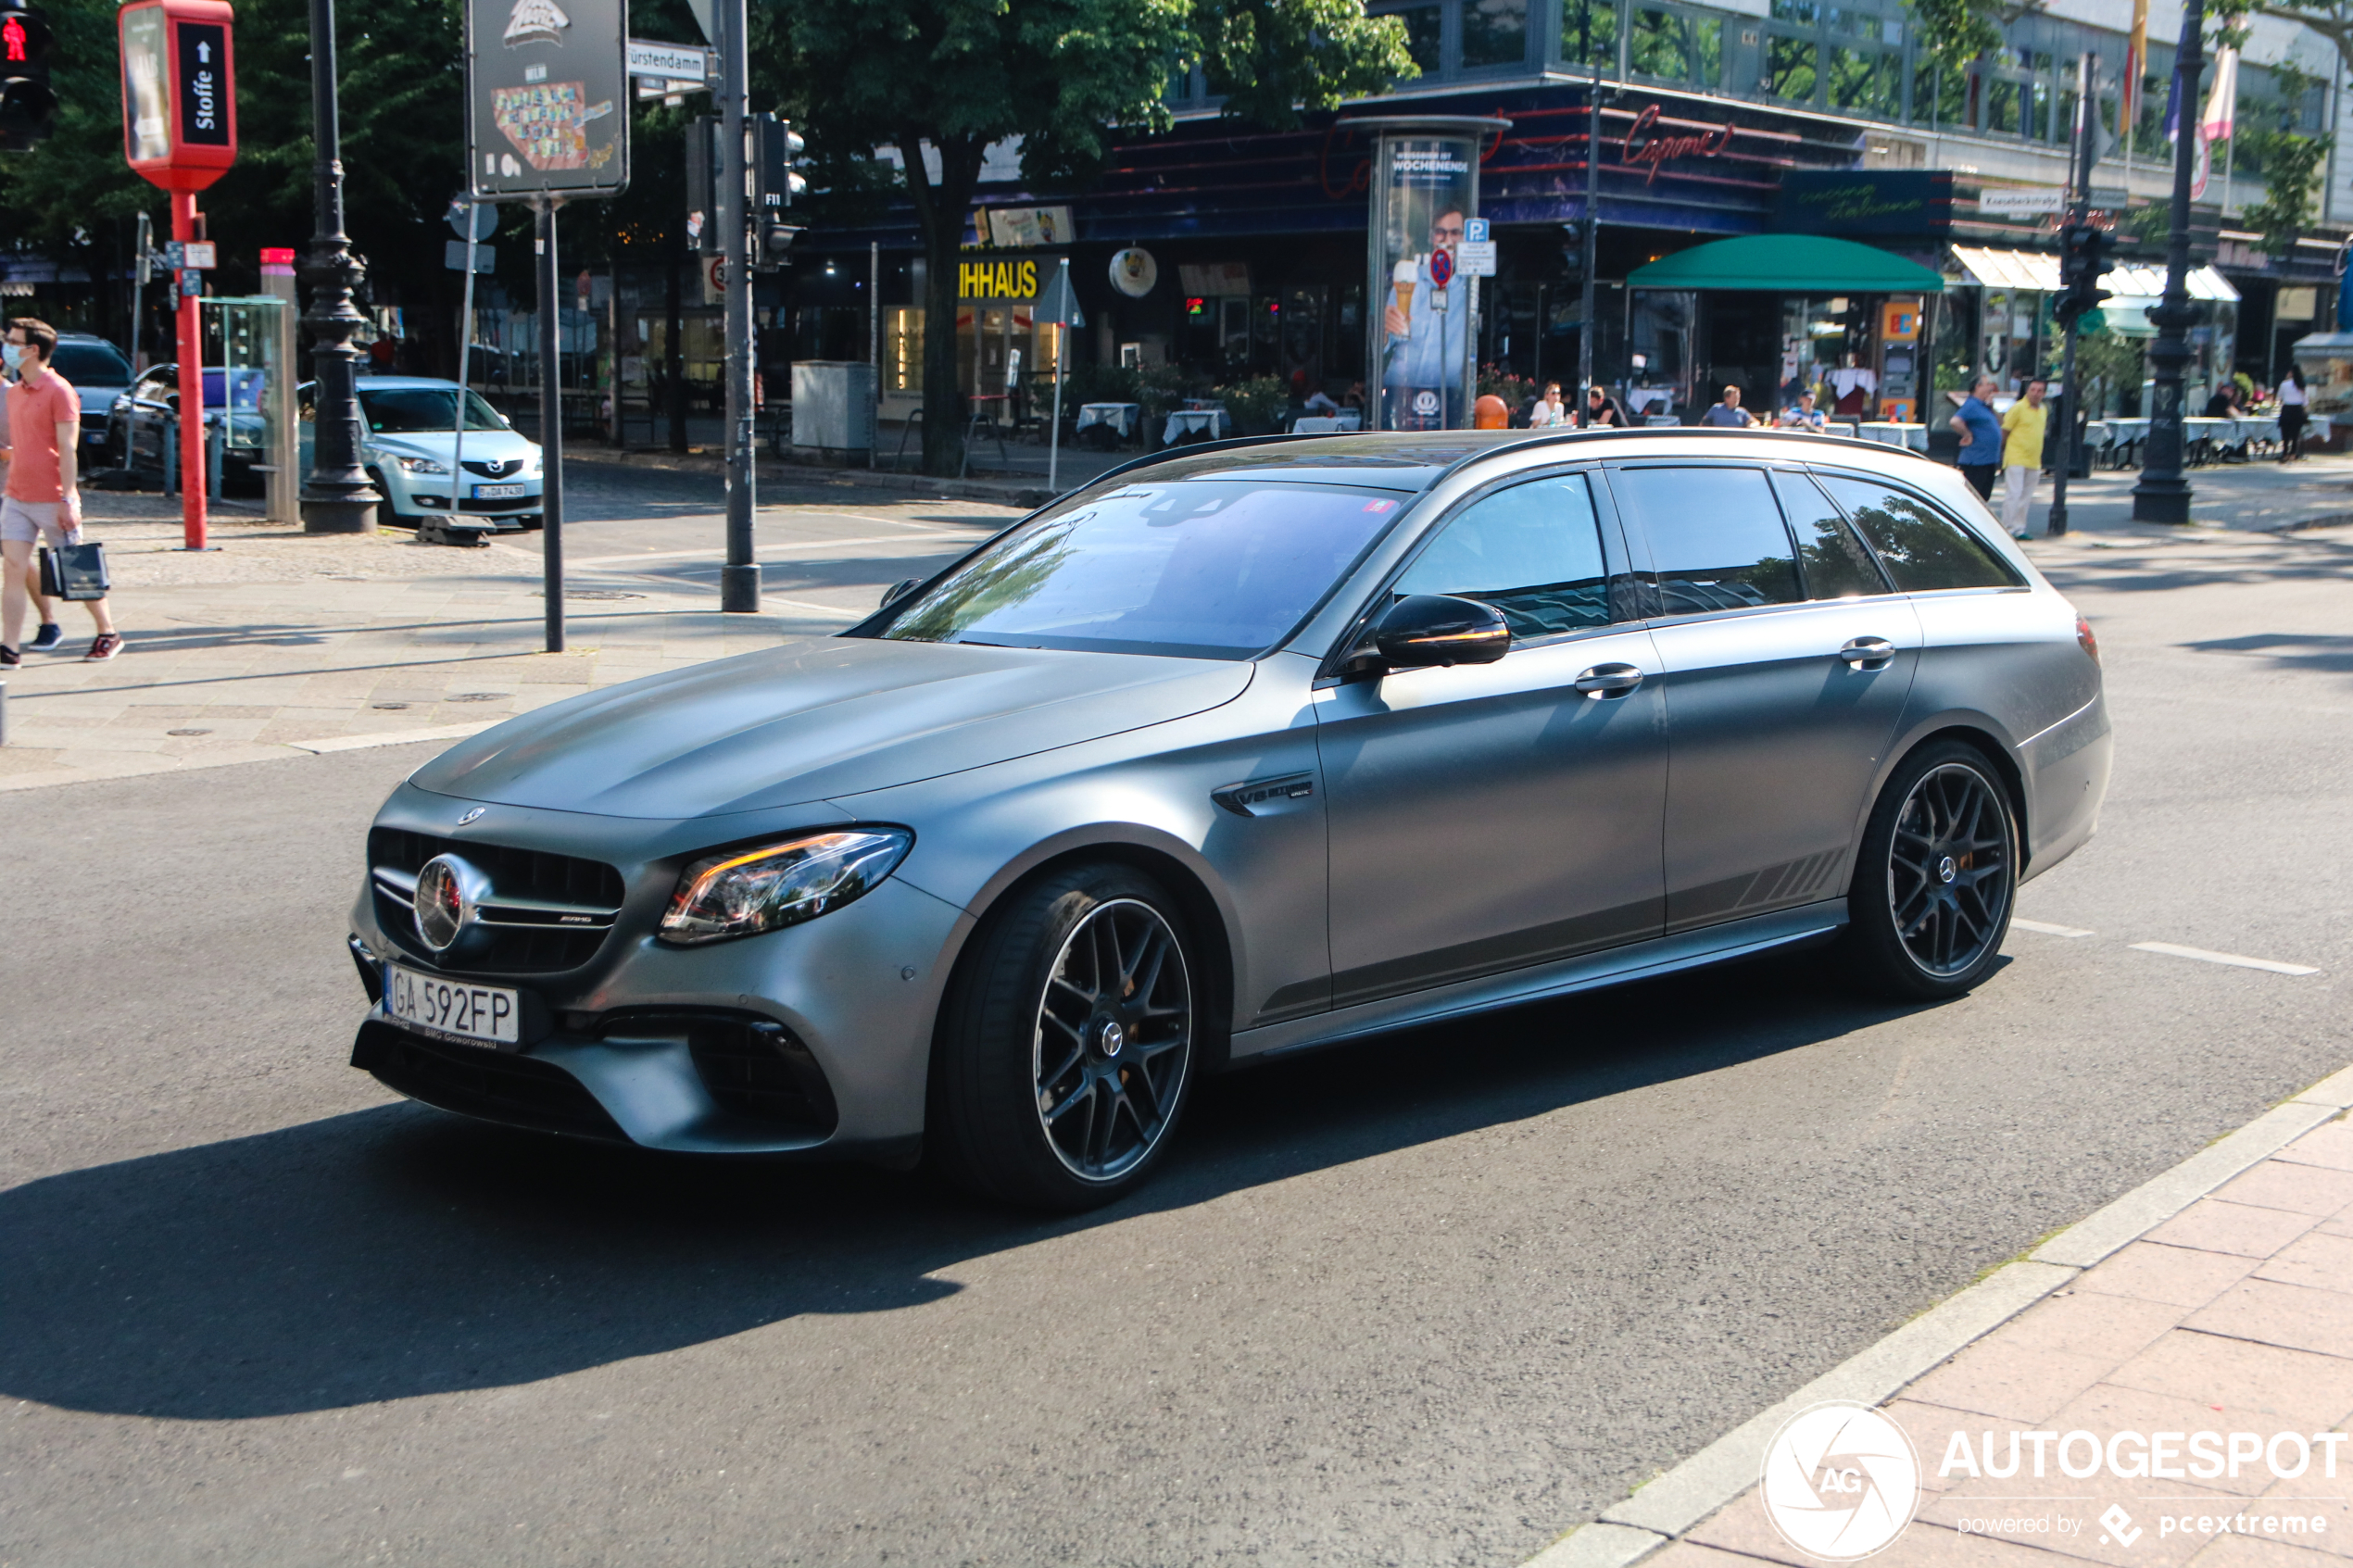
<point x="42" y="500"/>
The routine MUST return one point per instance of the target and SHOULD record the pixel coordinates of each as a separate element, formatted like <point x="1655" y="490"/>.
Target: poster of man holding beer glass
<point x="1425" y="310"/>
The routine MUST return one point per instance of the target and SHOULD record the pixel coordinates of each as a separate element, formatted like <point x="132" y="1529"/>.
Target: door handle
<point x="1868" y="653"/>
<point x="1609" y="680"/>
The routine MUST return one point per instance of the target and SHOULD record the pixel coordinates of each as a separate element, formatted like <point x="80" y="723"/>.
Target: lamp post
<point x="2163" y="496"/>
<point x="337" y="498"/>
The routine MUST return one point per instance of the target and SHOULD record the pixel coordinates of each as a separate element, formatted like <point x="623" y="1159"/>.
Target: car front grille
<point x="475" y="1081"/>
<point x="495" y="468"/>
<point x="546" y="913"/>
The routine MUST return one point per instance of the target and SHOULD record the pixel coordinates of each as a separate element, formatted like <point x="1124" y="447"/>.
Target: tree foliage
<point x="942" y="80"/>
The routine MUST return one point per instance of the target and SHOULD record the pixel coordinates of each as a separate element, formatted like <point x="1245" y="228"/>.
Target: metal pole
<point x="188" y="281"/>
<point x="739" y="579"/>
<point x="1591" y="247"/>
<point x="874" y="339"/>
<point x="2162" y="495"/>
<point x="337" y="498"/>
<point x="144" y="240"/>
<point x="465" y="348"/>
<point x="2079" y="204"/>
<point x="1062" y="334"/>
<point x="551" y="428"/>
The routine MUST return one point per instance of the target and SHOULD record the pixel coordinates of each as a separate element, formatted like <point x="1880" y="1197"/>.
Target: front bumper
<point x="412" y="495"/>
<point x="815" y="1037"/>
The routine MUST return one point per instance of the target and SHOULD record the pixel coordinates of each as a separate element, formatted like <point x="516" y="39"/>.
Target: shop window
<point x="1588" y="33"/>
<point x="1494" y="32"/>
<point x="1865" y="82"/>
<point x="1789" y="67"/>
<point x="1659" y="47"/>
<point x="903" y="349"/>
<point x="1425" y="32"/>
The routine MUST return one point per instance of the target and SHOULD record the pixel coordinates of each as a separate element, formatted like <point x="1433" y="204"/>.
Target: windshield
<point x="1199" y="570"/>
<point x="409" y="409"/>
<point x="91" y="364"/>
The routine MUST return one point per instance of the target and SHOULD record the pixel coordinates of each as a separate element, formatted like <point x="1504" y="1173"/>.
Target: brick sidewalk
<point x="2234" y="1315"/>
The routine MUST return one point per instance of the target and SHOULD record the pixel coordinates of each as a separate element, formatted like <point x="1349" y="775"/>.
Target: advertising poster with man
<point x="1428" y="190"/>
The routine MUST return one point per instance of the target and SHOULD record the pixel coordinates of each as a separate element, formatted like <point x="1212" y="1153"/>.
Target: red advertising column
<point x="180" y="131"/>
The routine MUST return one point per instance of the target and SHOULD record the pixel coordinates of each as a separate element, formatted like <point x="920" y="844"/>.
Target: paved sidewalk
<point x="281" y="640"/>
<point x="2165" y="1318"/>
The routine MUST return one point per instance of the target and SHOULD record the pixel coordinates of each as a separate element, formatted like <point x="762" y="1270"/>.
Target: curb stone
<point x="1666" y="1509"/>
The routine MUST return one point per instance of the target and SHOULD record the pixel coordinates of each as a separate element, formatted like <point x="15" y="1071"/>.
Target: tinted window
<point x="1715" y="536"/>
<point x="403" y="410"/>
<point x="1836" y="565"/>
<point x="1200" y="568"/>
<point x="1922" y="550"/>
<point x="91" y="364"/>
<point x="1532" y="551"/>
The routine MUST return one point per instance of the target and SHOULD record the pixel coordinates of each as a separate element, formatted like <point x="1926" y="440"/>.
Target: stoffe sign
<point x="179" y="91"/>
<point x="547" y="98"/>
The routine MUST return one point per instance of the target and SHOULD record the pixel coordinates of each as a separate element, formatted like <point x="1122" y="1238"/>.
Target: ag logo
<point x="1841" y="1481"/>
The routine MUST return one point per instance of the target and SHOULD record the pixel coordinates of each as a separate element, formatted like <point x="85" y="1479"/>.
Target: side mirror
<point x="899" y="591"/>
<point x="1421" y="630"/>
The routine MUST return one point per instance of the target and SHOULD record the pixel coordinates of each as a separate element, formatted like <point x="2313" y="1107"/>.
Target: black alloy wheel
<point x="1934" y="882"/>
<point x="1068" y="1042"/>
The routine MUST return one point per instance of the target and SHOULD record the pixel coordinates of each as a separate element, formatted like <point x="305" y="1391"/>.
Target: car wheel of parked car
<point x="1934" y="882"/>
<point x="1066" y="1048"/>
<point x="386" y="516"/>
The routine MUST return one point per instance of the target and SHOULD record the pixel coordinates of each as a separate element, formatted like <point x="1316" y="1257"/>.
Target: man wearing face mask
<point x="41" y="502"/>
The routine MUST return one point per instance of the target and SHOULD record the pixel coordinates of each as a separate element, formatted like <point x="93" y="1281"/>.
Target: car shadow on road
<point x="397" y="1252"/>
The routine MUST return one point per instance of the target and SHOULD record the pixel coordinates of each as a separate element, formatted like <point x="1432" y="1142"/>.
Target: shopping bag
<point x="74" y="571"/>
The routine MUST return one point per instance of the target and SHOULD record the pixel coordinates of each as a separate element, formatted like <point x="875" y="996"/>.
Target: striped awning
<point x="2038" y="271"/>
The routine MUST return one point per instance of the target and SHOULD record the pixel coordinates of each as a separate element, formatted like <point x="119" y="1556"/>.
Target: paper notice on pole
<point x="1475" y="257"/>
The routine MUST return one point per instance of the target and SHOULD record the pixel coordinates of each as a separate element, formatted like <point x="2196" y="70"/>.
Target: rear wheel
<point x="1068" y="1044"/>
<point x="1936" y="877"/>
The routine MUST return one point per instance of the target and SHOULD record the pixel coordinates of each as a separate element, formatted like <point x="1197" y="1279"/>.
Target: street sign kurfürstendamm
<point x="547" y="98"/>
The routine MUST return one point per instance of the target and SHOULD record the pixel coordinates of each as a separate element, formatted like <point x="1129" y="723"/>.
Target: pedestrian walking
<point x="2293" y="402"/>
<point x="1728" y="412"/>
<point x="41" y="502"/>
<point x="1980" y="435"/>
<point x="2022" y="429"/>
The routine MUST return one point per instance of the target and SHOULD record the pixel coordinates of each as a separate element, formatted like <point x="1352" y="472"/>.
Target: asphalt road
<point x="1431" y="1299"/>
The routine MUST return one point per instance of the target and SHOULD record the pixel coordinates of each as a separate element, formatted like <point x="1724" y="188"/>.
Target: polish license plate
<point x="498" y="492"/>
<point x="491" y="1014"/>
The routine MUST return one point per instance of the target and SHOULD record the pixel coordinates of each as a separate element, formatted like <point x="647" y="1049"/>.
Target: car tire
<point x="387" y="515"/>
<point x="1935" y="879"/>
<point x="1069" y="1041"/>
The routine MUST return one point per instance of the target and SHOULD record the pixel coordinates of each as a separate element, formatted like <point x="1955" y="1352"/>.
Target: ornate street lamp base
<point x="336" y="514"/>
<point x="2163" y="501"/>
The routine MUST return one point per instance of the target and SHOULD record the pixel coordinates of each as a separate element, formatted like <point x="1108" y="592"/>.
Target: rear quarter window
<point x="1922" y="550"/>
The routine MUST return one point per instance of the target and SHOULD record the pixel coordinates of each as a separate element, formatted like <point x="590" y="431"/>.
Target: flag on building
<point x="2222" y="104"/>
<point x="2136" y="64"/>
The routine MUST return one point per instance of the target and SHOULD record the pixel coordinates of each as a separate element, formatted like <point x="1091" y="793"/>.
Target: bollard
<point x="172" y="457"/>
<point x="215" y="445"/>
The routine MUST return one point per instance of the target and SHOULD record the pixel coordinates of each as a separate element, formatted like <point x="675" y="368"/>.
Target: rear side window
<point x="1837" y="567"/>
<point x="1922" y="550"/>
<point x="1716" y="537"/>
<point x="1533" y="551"/>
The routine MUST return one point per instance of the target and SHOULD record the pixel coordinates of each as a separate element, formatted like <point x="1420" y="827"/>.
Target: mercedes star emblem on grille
<point x="447" y="890"/>
<point x="472" y="815"/>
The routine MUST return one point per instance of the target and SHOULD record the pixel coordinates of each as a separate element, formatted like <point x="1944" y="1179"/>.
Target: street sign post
<point x="180" y="131"/>
<point x="547" y="97"/>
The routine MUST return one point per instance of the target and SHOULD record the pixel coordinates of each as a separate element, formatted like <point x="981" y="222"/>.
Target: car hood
<point x="833" y="717"/>
<point x="480" y="444"/>
<point x="98" y="400"/>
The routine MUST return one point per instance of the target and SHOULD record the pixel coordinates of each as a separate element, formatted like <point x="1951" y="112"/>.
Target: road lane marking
<point x="2175" y="950"/>
<point x="2049" y="930"/>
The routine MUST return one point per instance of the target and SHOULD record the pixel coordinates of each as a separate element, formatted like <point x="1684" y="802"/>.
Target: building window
<point x="1865" y="82"/>
<point x="1588" y="33"/>
<point x="1494" y="32"/>
<point x="1789" y="67"/>
<point x="1659" y="47"/>
<point x="1424" y="34"/>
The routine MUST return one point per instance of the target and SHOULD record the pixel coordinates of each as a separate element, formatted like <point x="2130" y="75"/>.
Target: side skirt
<point x="1617" y="966"/>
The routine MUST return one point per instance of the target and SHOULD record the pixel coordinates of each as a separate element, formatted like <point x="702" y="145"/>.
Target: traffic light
<point x="1573" y="246"/>
<point x="26" y="102"/>
<point x="776" y="148"/>
<point x="2085" y="254"/>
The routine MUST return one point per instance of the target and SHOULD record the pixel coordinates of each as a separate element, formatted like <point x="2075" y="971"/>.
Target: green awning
<point x="1788" y="263"/>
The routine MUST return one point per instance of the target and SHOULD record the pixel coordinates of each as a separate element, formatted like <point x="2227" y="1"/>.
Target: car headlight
<point x="422" y="465"/>
<point x="743" y="893"/>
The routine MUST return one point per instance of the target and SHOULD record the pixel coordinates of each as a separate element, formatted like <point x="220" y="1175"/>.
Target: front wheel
<point x="1935" y="879"/>
<point x="1068" y="1043"/>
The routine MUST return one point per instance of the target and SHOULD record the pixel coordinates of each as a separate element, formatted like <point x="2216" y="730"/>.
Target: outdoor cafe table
<point x="1123" y="418"/>
<point x="1213" y="422"/>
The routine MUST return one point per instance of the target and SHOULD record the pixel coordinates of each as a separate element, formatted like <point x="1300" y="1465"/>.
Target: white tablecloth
<point x="1210" y="422"/>
<point x="1122" y="416"/>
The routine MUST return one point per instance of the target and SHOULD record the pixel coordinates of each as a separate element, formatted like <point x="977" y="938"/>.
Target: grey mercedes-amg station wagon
<point x="1240" y="751"/>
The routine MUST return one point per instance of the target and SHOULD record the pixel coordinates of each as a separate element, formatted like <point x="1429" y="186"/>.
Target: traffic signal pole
<point x="2088" y="108"/>
<point x="195" y="476"/>
<point x="551" y="427"/>
<point x="739" y="579"/>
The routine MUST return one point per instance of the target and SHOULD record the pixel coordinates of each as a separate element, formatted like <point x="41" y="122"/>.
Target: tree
<point x="2332" y="19"/>
<point x="942" y="80"/>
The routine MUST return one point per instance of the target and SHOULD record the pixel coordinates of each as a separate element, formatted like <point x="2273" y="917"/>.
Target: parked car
<point x="141" y="417"/>
<point x="99" y="373"/>
<point x="1238" y="751"/>
<point x="410" y="440"/>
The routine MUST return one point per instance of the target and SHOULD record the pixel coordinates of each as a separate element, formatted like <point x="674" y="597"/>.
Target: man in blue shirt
<point x="1729" y="412"/>
<point x="1980" y="435"/>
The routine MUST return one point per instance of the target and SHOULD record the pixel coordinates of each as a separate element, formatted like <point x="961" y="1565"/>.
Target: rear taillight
<point x="2091" y="644"/>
